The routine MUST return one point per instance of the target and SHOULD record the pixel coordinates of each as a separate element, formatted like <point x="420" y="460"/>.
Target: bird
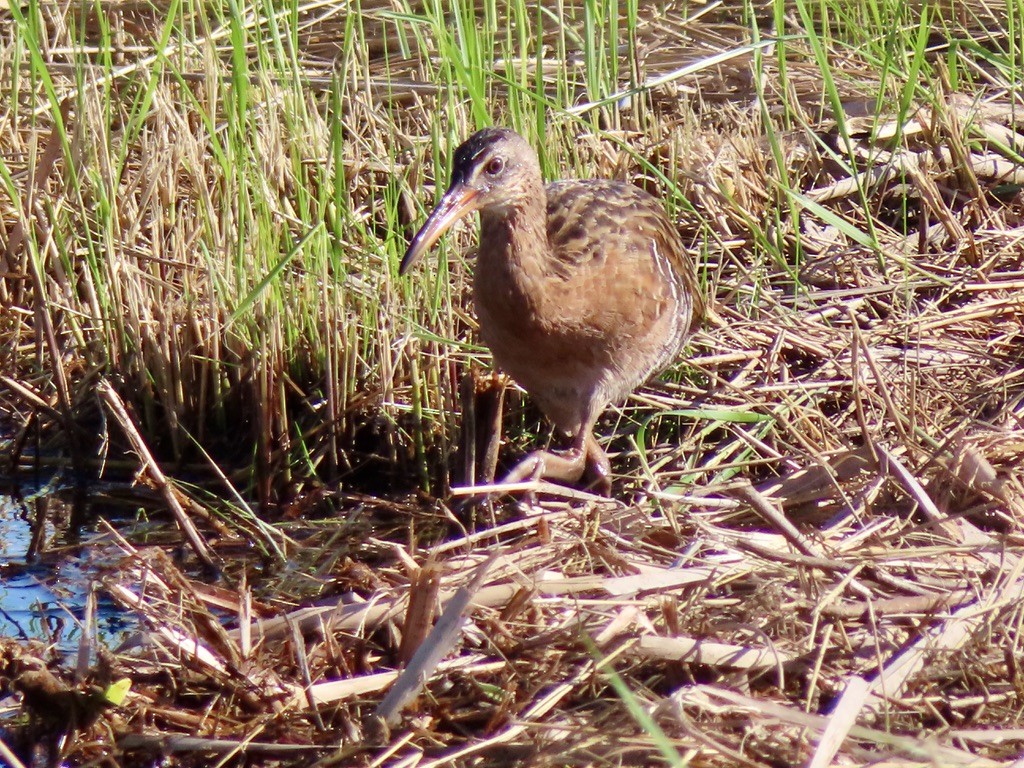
<point x="582" y="290"/>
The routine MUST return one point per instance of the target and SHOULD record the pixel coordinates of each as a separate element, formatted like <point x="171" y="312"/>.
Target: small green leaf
<point x="117" y="691"/>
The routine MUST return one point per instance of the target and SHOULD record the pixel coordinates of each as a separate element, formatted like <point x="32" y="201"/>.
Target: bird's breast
<point x="589" y="306"/>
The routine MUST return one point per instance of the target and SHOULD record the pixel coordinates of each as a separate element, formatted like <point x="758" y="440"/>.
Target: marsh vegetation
<point x="814" y="548"/>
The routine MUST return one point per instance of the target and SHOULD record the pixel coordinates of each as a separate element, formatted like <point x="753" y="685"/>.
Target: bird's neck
<point x="514" y="239"/>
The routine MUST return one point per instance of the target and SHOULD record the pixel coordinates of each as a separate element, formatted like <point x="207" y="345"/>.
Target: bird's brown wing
<point x="589" y="220"/>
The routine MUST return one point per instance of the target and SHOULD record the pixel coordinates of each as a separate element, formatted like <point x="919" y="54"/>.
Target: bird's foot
<point x="561" y="466"/>
<point x="566" y="467"/>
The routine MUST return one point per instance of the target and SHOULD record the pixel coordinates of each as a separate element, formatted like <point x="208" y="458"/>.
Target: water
<point x="52" y="554"/>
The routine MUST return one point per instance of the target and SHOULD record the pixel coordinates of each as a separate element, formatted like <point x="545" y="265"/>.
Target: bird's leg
<point x="598" y="468"/>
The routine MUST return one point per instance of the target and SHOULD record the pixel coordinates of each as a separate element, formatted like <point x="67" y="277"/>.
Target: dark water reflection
<point x="53" y="551"/>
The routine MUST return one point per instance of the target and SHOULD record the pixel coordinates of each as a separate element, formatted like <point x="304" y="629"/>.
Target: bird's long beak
<point x="457" y="202"/>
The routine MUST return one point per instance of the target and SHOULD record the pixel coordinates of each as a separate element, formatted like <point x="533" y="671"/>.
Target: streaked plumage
<point x="582" y="288"/>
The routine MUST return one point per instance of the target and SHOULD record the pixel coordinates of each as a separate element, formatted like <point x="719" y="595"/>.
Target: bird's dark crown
<point x="473" y="149"/>
<point x="500" y="166"/>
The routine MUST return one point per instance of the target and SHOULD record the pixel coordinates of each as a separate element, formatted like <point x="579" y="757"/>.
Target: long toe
<point x="567" y="467"/>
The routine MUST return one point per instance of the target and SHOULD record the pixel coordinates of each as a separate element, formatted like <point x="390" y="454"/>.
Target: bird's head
<point x="494" y="169"/>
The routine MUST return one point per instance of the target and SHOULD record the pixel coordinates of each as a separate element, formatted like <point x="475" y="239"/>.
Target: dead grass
<point x="816" y="557"/>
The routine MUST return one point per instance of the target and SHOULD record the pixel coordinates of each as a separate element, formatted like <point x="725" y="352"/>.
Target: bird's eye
<point x="494" y="166"/>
